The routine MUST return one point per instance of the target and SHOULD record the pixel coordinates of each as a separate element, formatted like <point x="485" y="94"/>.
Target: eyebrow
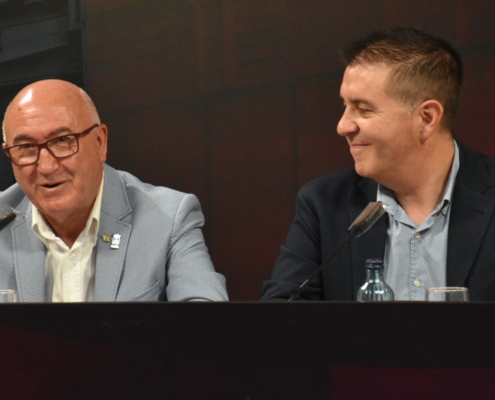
<point x="55" y="132"/>
<point x="360" y="101"/>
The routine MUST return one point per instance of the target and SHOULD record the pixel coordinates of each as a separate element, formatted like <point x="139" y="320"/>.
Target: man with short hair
<point x="400" y="92"/>
<point x="84" y="231"/>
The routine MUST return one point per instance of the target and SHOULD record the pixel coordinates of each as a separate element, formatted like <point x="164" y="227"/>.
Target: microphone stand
<point x="296" y="294"/>
<point x="361" y="224"/>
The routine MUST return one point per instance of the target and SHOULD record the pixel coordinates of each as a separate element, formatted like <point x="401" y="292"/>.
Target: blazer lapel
<point x="29" y="261"/>
<point x="469" y="219"/>
<point x="110" y="262"/>
<point x="470" y="216"/>
<point x="372" y="243"/>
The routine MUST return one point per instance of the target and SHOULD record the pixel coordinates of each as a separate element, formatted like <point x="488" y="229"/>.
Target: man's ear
<point x="102" y="139"/>
<point x="430" y="113"/>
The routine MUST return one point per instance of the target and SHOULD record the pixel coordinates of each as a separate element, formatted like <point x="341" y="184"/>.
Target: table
<point x="248" y="350"/>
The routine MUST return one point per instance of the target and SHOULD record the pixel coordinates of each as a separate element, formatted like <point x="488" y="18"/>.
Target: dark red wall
<point x="237" y="101"/>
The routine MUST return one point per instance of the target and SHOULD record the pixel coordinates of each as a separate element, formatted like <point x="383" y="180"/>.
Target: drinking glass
<point x="8" y="296"/>
<point x="458" y="294"/>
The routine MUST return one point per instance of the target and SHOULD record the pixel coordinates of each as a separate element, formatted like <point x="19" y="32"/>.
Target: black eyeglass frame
<point x="44" y="145"/>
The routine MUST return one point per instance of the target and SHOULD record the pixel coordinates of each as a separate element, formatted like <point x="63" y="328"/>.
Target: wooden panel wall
<point x="237" y="101"/>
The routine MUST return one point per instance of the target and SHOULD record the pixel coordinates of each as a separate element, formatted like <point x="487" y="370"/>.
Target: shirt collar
<point x="387" y="197"/>
<point x="41" y="228"/>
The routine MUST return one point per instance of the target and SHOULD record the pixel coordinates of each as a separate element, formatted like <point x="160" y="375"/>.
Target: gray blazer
<point x="161" y="256"/>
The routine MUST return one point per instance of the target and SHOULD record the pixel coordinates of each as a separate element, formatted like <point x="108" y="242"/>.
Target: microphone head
<point x="367" y="218"/>
<point x="7" y="215"/>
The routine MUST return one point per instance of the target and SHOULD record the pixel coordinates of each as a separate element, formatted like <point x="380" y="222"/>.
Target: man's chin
<point x="363" y="170"/>
<point x="53" y="211"/>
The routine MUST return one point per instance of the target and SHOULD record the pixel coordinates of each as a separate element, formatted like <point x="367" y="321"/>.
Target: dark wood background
<point x="237" y="101"/>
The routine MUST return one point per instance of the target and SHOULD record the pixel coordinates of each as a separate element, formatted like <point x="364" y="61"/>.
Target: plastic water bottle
<point x="375" y="288"/>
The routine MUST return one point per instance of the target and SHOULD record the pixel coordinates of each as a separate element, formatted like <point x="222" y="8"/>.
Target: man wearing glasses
<point x="84" y="231"/>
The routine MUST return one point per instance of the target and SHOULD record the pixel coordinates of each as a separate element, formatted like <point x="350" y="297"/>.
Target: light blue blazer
<point x="161" y="255"/>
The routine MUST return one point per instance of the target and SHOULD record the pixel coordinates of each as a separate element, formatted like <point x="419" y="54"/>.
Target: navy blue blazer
<point x="326" y="207"/>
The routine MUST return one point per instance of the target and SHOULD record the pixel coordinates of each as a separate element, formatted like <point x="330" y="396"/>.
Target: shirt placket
<point x="72" y="276"/>
<point x="417" y="277"/>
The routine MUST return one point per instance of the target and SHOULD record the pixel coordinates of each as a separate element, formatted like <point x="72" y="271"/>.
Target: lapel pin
<point x="106" y="237"/>
<point x="115" y="241"/>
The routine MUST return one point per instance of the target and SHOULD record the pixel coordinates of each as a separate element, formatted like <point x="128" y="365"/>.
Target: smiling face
<point x="63" y="190"/>
<point x="382" y="133"/>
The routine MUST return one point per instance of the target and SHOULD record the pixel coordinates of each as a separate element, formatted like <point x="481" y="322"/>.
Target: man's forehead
<point x="30" y="106"/>
<point x="48" y="93"/>
<point x="39" y="121"/>
<point x="363" y="78"/>
<point x="33" y="114"/>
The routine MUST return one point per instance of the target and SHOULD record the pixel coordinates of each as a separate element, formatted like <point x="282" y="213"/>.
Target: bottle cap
<point x="374" y="263"/>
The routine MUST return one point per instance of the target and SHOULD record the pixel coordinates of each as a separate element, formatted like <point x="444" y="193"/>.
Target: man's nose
<point x="346" y="124"/>
<point x="46" y="161"/>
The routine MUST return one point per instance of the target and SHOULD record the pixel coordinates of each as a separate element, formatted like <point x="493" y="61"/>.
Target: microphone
<point x="7" y="216"/>
<point x="361" y="225"/>
<point x="367" y="218"/>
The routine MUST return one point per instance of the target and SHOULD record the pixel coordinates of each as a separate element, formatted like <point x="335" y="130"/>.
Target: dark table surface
<point x="237" y="350"/>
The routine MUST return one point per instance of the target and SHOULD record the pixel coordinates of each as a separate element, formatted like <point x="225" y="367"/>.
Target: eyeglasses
<point x="59" y="147"/>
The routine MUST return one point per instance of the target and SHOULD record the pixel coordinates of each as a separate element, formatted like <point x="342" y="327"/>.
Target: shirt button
<point x="71" y="256"/>
<point x="417" y="283"/>
<point x="417" y="235"/>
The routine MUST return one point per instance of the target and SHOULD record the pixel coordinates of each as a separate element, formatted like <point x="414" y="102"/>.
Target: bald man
<point x="84" y="231"/>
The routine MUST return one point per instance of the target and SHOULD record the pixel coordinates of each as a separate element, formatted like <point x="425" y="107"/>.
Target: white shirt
<point x="70" y="272"/>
